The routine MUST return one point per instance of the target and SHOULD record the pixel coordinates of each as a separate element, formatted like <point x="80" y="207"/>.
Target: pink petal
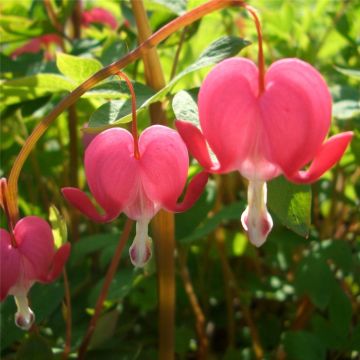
<point x="81" y="201"/>
<point x="164" y="164"/>
<point x="196" y="143"/>
<point x="9" y="264"/>
<point x="36" y="244"/>
<point x="193" y="192"/>
<point x="32" y="46"/>
<point x="99" y="15"/>
<point x="328" y="155"/>
<point x="58" y="262"/>
<point x="229" y="114"/>
<point x="296" y="113"/>
<point x="111" y="170"/>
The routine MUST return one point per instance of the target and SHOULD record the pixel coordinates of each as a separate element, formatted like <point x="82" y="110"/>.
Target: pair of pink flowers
<point x="261" y="133"/>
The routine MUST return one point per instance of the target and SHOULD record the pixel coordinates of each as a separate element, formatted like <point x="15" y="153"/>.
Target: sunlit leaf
<point x="58" y="226"/>
<point x="77" y="68"/>
<point x="291" y="203"/>
<point x="219" y="50"/>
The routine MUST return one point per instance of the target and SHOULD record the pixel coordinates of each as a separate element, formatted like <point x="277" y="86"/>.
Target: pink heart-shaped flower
<point x="263" y="135"/>
<point x="140" y="187"/>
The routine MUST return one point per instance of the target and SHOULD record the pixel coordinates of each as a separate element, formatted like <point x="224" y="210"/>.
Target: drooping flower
<point x="98" y="15"/>
<point x="139" y="186"/>
<point x="27" y="255"/>
<point x="266" y="131"/>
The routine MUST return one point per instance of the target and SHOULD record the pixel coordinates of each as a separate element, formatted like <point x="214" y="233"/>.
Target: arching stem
<point x="102" y="74"/>
<point x="134" y="129"/>
<point x="261" y="61"/>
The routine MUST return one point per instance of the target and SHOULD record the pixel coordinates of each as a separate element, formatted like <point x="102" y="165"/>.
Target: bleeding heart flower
<point x="138" y="185"/>
<point x="37" y="44"/>
<point x="99" y="15"/>
<point x="137" y="177"/>
<point x="263" y="133"/>
<point x="27" y="255"/>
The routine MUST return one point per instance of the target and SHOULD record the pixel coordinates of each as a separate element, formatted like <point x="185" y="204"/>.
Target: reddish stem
<point x="261" y="61"/>
<point x="105" y="288"/>
<point x="133" y="110"/>
<point x="68" y="319"/>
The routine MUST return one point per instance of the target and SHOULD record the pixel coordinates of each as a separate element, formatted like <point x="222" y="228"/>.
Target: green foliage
<point x="291" y="203"/>
<point x="312" y="255"/>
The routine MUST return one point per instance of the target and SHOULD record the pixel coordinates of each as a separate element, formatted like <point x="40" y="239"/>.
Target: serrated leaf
<point x="219" y="50"/>
<point x="291" y="203"/>
<point x="58" y="226"/>
<point x="76" y="68"/>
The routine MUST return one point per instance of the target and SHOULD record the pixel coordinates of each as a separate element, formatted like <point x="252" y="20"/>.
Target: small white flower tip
<point x="24" y="321"/>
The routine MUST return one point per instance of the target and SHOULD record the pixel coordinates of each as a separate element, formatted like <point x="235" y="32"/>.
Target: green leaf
<point x="346" y="109"/>
<point x="339" y="251"/>
<point x="219" y="50"/>
<point x="178" y="7"/>
<point x="58" y="226"/>
<point x="185" y="106"/>
<point x="105" y="328"/>
<point x="340" y="313"/>
<point x="314" y="278"/>
<point x="77" y="68"/>
<point x="188" y="221"/>
<point x="302" y="345"/>
<point x="110" y="112"/>
<point x="353" y="73"/>
<point x="91" y="244"/>
<point x="230" y="212"/>
<point x="32" y="87"/>
<point x="119" y="288"/>
<point x="291" y="204"/>
<point x="35" y="348"/>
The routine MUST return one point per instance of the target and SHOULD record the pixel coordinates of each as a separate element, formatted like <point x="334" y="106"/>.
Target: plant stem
<point x="67" y="347"/>
<point x="261" y="61"/>
<point x="177" y="54"/>
<point x="102" y="74"/>
<point x="163" y="225"/>
<point x="105" y="288"/>
<point x="74" y="165"/>
<point x="200" y="320"/>
<point x="134" y="129"/>
<point x="163" y="232"/>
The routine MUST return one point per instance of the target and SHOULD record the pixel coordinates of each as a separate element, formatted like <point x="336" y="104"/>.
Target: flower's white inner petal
<point x="140" y="250"/>
<point x="24" y="317"/>
<point x="256" y="219"/>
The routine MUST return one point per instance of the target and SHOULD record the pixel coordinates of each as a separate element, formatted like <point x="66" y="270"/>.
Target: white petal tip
<point x="140" y="253"/>
<point x="25" y="321"/>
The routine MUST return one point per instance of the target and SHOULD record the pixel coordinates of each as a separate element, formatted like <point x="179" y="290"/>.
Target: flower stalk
<point x="102" y="74"/>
